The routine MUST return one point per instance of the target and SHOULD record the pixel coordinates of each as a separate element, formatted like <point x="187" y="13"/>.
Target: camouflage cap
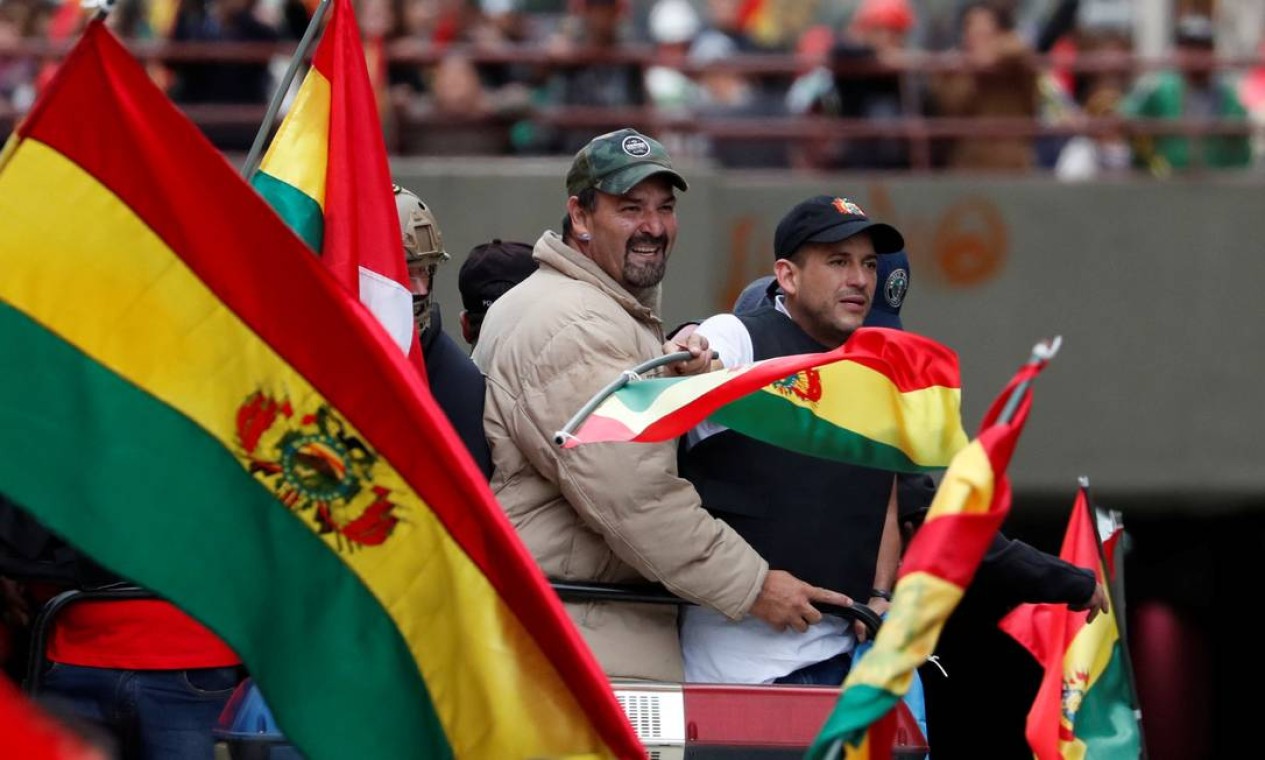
<point x="616" y="161"/>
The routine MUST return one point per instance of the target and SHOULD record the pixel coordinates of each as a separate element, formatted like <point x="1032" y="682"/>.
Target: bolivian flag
<point x="326" y="174"/>
<point x="886" y="399"/>
<point x="1085" y="706"/>
<point x="970" y="504"/>
<point x="190" y="398"/>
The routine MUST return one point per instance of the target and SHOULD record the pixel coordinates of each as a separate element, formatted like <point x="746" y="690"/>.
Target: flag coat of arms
<point x="969" y="506"/>
<point x="188" y="397"/>
<point x="1085" y="706"/>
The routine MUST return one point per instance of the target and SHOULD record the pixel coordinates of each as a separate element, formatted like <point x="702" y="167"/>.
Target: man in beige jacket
<point x="613" y="512"/>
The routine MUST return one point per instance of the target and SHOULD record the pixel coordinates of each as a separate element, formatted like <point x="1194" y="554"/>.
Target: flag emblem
<point x="805" y="385"/>
<point x="317" y="469"/>
<point x="1074" y="688"/>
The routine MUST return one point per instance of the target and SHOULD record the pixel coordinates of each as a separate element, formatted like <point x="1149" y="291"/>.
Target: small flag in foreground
<point x="165" y="407"/>
<point x="886" y="399"/>
<point x="326" y="174"/>
<point x="970" y="504"/>
<point x="1085" y="706"/>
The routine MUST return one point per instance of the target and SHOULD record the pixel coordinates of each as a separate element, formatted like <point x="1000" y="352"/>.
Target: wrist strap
<point x="881" y="594"/>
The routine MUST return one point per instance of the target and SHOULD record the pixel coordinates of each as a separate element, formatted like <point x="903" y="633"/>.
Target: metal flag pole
<point x="300" y="54"/>
<point x="1126" y="658"/>
<point x="624" y="378"/>
<point x="1041" y="352"/>
<point x="103" y="7"/>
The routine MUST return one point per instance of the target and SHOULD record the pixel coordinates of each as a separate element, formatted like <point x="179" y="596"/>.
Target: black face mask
<point x="421" y="312"/>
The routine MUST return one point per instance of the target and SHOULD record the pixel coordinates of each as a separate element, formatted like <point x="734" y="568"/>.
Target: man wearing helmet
<point x="455" y="382"/>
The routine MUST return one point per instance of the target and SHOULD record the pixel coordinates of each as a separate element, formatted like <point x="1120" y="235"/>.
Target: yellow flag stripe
<point x="864" y="401"/>
<point x="967" y="487"/>
<point x="299" y="154"/>
<point x="909" y="633"/>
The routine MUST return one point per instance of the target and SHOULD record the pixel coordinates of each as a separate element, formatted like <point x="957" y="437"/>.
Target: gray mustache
<point x="660" y="240"/>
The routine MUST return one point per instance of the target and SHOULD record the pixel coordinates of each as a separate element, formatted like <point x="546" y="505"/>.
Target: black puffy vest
<point x="817" y="519"/>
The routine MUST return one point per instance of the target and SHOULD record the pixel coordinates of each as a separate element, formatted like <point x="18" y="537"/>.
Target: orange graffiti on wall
<point x="971" y="242"/>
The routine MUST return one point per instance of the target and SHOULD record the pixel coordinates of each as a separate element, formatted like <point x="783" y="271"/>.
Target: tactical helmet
<point x="423" y="247"/>
<point x="423" y="242"/>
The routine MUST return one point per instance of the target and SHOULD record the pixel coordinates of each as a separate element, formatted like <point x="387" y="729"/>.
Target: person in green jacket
<point x="1193" y="94"/>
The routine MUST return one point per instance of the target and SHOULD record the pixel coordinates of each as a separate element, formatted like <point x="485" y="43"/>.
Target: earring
<point x="586" y="237"/>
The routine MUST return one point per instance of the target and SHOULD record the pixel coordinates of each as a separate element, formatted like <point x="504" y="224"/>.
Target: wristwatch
<point x="881" y="594"/>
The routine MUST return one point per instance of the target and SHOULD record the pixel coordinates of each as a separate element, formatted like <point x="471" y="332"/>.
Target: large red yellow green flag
<point x="188" y="397"/>
<point x="970" y="504"/>
<point x="1085" y="706"/>
<point x="885" y="398"/>
<point x="326" y="174"/>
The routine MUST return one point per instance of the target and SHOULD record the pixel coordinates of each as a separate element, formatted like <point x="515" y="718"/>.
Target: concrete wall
<point x="1153" y="286"/>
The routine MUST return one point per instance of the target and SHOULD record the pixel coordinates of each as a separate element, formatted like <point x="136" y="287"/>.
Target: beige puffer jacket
<point x="600" y="512"/>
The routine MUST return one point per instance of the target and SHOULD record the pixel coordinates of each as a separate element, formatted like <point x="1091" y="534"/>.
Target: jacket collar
<point x="550" y="251"/>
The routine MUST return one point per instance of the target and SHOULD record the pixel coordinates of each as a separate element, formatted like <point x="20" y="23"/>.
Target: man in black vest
<point x="832" y="524"/>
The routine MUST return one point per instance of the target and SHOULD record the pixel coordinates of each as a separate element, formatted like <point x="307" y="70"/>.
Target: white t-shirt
<point x="719" y="650"/>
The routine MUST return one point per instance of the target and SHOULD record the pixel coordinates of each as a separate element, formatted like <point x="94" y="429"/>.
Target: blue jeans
<point x="153" y="714"/>
<point x="825" y="673"/>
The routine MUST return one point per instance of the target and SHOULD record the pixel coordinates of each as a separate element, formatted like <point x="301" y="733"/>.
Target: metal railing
<point x="918" y="130"/>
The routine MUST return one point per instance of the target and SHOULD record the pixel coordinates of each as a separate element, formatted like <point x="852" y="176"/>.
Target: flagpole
<point x="624" y="378"/>
<point x="103" y="8"/>
<point x="300" y="54"/>
<point x="1042" y="352"/>
<point x="1083" y="481"/>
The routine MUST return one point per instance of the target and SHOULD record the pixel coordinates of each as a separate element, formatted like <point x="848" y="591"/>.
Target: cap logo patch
<point x="636" y="146"/>
<point x="845" y="206"/>
<point x="895" y="288"/>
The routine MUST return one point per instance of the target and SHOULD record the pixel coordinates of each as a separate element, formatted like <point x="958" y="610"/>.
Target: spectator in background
<point x="17" y="75"/>
<point x="1194" y="93"/>
<point x="243" y="83"/>
<point x="726" y="93"/>
<point x="876" y="34"/>
<point x="594" y="29"/>
<point x="453" y="106"/>
<point x="673" y="27"/>
<point x="1000" y="81"/>
<point x="1089" y="156"/>
<point x="488" y="272"/>
<point x="722" y="26"/>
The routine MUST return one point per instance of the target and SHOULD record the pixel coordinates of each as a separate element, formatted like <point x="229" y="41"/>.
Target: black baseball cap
<point x="829" y="219"/>
<point x="490" y="270"/>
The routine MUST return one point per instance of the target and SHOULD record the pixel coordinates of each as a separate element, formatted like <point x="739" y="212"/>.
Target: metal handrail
<point x="653" y="593"/>
<point x="754" y="64"/>
<point x="47" y="615"/>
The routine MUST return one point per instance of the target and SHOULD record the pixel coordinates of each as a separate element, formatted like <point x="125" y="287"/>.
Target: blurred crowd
<point x="538" y="77"/>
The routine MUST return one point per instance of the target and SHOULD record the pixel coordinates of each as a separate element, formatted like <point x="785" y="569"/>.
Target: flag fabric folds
<point x="189" y="398"/>
<point x="1085" y="706"/>
<point x="885" y="398"/>
<point x="971" y="502"/>
<point x="326" y="174"/>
